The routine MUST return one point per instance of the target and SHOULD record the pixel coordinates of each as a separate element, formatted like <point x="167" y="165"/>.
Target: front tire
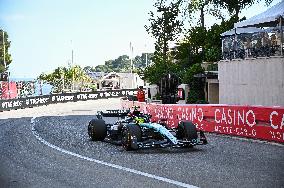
<point x="187" y="130"/>
<point x="131" y="134"/>
<point x="97" y="130"/>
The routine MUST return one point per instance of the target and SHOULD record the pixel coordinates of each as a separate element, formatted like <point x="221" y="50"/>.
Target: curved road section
<point x="49" y="147"/>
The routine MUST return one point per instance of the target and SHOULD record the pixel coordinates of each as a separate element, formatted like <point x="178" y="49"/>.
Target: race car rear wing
<point x="113" y="113"/>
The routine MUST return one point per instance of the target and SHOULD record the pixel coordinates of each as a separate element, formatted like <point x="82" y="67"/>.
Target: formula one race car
<point x="134" y="130"/>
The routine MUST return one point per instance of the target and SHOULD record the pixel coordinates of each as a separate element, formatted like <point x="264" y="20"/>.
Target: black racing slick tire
<point x="131" y="135"/>
<point x="97" y="130"/>
<point x="187" y="130"/>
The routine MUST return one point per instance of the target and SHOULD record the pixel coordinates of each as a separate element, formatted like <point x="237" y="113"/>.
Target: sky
<point x="43" y="33"/>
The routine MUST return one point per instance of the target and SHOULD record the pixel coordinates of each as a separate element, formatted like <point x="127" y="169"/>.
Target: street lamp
<point x="73" y="71"/>
<point x="5" y="65"/>
<point x="4" y="52"/>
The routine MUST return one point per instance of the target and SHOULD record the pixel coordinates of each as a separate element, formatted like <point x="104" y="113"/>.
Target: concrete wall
<point x="252" y="81"/>
<point x="213" y="91"/>
<point x="129" y="80"/>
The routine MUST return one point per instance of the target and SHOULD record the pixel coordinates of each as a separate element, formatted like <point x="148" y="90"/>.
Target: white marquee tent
<point x="241" y="30"/>
<point x="270" y="18"/>
<point x="273" y="17"/>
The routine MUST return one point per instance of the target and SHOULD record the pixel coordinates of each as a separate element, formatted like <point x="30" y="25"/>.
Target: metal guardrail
<point x="21" y="103"/>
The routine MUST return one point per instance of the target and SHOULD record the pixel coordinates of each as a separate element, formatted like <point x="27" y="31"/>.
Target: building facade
<point x="257" y="81"/>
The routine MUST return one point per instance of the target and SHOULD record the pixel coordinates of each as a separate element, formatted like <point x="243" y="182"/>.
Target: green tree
<point x="165" y="27"/>
<point x="8" y="57"/>
<point x="199" y="5"/>
<point x="123" y="64"/>
<point x="146" y="59"/>
<point x="63" y="78"/>
<point x="191" y="8"/>
<point x="216" y="8"/>
<point x="101" y="68"/>
<point x="79" y="76"/>
<point x="120" y="64"/>
<point x="137" y="62"/>
<point x="200" y="43"/>
<point x="196" y="84"/>
<point x="235" y="7"/>
<point x="88" y="68"/>
<point x="213" y="45"/>
<point x="203" y="44"/>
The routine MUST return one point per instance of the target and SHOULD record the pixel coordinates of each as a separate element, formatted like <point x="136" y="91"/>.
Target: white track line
<point x="174" y="182"/>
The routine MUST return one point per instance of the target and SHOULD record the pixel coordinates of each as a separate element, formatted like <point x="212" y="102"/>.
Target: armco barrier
<point x="12" y="104"/>
<point x="258" y="122"/>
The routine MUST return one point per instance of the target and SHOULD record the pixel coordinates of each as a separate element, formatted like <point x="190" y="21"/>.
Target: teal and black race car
<point x="134" y="130"/>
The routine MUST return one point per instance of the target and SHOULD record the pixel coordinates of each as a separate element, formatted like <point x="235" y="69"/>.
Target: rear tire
<point x="187" y="130"/>
<point x="129" y="133"/>
<point x="97" y="130"/>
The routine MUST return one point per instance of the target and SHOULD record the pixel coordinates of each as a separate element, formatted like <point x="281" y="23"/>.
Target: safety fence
<point x="258" y="122"/>
<point x="12" y="104"/>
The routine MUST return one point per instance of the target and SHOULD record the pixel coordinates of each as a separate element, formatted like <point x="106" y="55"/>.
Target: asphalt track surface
<point x="55" y="151"/>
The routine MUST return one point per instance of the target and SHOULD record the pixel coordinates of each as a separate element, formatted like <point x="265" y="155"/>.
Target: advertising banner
<point x="257" y="122"/>
<point x="29" y="102"/>
<point x="8" y="91"/>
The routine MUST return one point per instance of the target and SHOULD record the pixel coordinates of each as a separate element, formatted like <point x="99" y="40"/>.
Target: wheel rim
<point x="90" y="131"/>
<point x="181" y="132"/>
<point x="125" y="139"/>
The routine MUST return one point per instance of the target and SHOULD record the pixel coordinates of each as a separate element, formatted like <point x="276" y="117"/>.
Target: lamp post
<point x="131" y="55"/>
<point x="5" y="65"/>
<point x="131" y="62"/>
<point x="281" y="35"/>
<point x="73" y="71"/>
<point x="146" y="58"/>
<point x="4" y="55"/>
<point x="72" y="67"/>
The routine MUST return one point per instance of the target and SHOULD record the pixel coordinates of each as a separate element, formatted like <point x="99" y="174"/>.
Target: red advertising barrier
<point x="266" y="123"/>
<point x="8" y="92"/>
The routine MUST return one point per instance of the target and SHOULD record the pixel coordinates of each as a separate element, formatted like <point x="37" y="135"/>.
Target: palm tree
<point x="63" y="78"/>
